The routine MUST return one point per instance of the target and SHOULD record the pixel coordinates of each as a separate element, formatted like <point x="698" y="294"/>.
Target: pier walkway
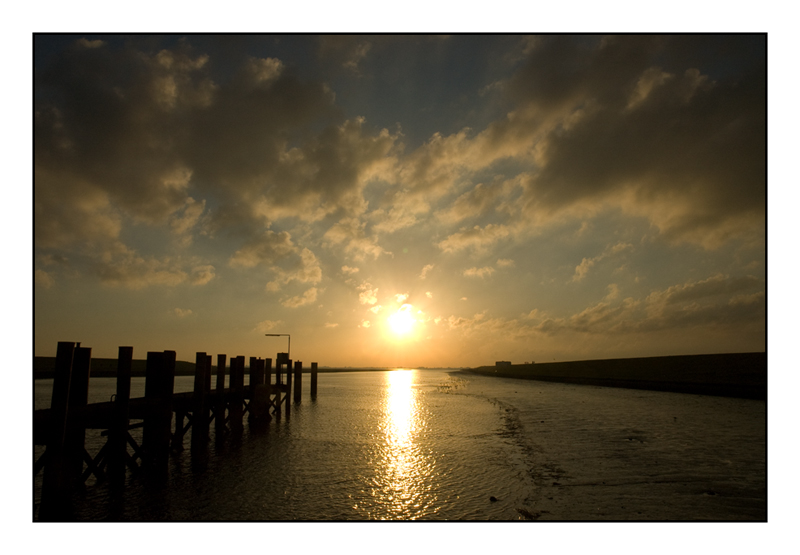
<point x="164" y="416"/>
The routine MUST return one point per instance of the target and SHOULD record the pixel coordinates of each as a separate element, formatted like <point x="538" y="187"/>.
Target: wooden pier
<point x="164" y="416"/>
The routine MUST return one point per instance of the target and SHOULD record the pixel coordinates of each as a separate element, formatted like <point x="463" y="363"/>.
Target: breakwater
<point x="741" y="375"/>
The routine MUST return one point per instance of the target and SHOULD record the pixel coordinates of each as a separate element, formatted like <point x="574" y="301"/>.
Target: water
<point x="433" y="445"/>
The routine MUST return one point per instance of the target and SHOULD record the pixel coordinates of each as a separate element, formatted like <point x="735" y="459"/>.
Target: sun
<point x="402" y="321"/>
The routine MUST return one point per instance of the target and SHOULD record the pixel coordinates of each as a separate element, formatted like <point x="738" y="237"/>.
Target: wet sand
<point x="590" y="453"/>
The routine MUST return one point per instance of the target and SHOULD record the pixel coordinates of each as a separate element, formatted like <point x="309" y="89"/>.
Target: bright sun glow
<point x="403" y="320"/>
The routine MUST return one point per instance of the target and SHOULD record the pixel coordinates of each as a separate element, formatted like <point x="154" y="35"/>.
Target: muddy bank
<point x="742" y="375"/>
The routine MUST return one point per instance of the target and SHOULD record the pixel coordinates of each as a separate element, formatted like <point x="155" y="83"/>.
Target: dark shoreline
<point x="742" y="375"/>
<point x="44" y="368"/>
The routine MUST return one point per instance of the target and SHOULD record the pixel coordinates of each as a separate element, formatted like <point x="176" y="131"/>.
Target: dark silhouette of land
<point x="44" y="368"/>
<point x="742" y="375"/>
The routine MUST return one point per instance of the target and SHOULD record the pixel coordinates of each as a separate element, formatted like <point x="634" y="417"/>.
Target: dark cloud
<point x="629" y="120"/>
<point x="718" y="301"/>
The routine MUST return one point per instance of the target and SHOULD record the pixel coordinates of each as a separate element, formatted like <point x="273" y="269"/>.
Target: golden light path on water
<point x="403" y="471"/>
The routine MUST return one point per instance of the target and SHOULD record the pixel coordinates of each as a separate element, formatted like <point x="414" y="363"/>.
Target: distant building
<point x="503" y="363"/>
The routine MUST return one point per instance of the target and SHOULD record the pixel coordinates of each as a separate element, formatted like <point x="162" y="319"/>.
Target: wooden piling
<point x="267" y="371"/>
<point x="236" y="409"/>
<point x="279" y="362"/>
<point x="208" y="400"/>
<point x="219" y="411"/>
<point x="313" y="381"/>
<point x="117" y="439"/>
<point x="298" y="381"/>
<point x="257" y="375"/>
<point x="288" y="386"/>
<point x="158" y="390"/>
<point x="268" y="380"/>
<point x="259" y="394"/>
<point x="56" y="486"/>
<point x="75" y="442"/>
<point x="199" y="406"/>
<point x="209" y="370"/>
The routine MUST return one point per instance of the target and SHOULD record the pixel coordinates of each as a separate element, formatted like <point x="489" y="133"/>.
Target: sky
<point x="400" y="200"/>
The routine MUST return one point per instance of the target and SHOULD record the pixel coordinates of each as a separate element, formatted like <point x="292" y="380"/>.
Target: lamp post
<point x="289" y="348"/>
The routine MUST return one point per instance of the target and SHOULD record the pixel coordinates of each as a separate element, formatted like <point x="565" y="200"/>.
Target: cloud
<point x="479" y="272"/>
<point x="305" y="270"/>
<point x="201" y="274"/>
<point x="612" y="250"/>
<point x="150" y="137"/>
<point x="477" y="238"/>
<point x="613" y="292"/>
<point x="424" y="273"/>
<point x="44" y="279"/>
<point x="182" y="313"/>
<point x="717" y="301"/>
<point x="367" y="294"/>
<point x="671" y="143"/>
<point x="182" y="224"/>
<point x="331" y="325"/>
<point x="347" y="270"/>
<point x="126" y="268"/>
<point x="267" y="325"/>
<point x="583" y="268"/>
<point x="429" y="294"/>
<point x="347" y="51"/>
<point x="477" y="201"/>
<point x="375" y="309"/>
<point x="401" y="297"/>
<point x="266" y="249"/>
<point x="714" y="286"/>
<point x="505" y="263"/>
<point x="364" y="324"/>
<point x="84" y="43"/>
<point x="350" y="233"/>
<point x="301" y="300"/>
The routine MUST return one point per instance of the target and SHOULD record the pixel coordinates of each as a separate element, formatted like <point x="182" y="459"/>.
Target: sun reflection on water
<point x="402" y="469"/>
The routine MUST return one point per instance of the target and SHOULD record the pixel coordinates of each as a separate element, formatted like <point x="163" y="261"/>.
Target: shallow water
<point x="426" y="444"/>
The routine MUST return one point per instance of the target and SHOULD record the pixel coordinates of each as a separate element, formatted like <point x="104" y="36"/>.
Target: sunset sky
<point x="410" y="200"/>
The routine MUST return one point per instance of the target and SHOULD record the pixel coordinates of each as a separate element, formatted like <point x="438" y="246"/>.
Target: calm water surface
<point x="428" y="444"/>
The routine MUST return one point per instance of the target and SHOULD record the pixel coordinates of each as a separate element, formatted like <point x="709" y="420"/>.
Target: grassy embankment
<point x="730" y="375"/>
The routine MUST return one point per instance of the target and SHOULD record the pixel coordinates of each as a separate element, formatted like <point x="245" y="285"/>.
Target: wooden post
<point x="237" y="393"/>
<point x="219" y="413"/>
<point x="199" y="408"/>
<point x="117" y="439"/>
<point x="208" y="400"/>
<point x="76" y="420"/>
<point x="313" y="381"/>
<point x="298" y="381"/>
<point x="209" y="368"/>
<point x="259" y="394"/>
<point x="256" y="371"/>
<point x="288" y="386"/>
<point x="56" y="486"/>
<point x="158" y="388"/>
<point x="268" y="382"/>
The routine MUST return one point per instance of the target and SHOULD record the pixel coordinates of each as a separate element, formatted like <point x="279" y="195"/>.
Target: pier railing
<point x="164" y="416"/>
